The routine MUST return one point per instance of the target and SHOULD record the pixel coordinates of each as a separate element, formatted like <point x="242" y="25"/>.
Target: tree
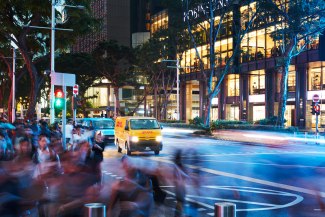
<point x="115" y="62"/>
<point x="5" y="81"/>
<point x="15" y="15"/>
<point x="298" y="24"/>
<point x="148" y="56"/>
<point x="206" y="22"/>
<point x="83" y="65"/>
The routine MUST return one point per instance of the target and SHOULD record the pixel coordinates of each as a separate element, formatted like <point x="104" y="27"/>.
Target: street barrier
<point x="95" y="210"/>
<point x="224" y="210"/>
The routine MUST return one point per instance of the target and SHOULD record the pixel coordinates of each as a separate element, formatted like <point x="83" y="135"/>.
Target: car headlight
<point x="158" y="138"/>
<point x="134" y="139"/>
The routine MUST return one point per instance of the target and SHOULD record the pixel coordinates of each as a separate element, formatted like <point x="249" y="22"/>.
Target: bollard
<point x="224" y="210"/>
<point x="306" y="137"/>
<point x="95" y="210"/>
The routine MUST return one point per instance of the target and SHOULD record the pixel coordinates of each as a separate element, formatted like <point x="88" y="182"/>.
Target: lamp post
<point x="13" y="109"/>
<point x="177" y="84"/>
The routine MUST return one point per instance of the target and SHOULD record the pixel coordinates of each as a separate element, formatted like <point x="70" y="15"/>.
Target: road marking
<point x="249" y="179"/>
<point x="263" y="153"/>
<point x="284" y="138"/>
<point x="267" y="164"/>
<point x="251" y="190"/>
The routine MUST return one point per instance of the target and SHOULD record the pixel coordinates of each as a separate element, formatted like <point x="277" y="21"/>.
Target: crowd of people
<point x="39" y="178"/>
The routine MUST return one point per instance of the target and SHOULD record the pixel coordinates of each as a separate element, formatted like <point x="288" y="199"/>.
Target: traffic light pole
<point x="317" y="123"/>
<point x="74" y="104"/>
<point x="64" y="115"/>
<point x="52" y="111"/>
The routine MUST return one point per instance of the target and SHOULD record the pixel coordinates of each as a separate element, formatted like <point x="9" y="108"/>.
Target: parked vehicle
<point x="138" y="134"/>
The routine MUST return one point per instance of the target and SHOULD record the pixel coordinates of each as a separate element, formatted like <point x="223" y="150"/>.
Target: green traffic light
<point x="58" y="103"/>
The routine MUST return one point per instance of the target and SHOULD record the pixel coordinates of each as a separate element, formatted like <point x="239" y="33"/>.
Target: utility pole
<point x="52" y="111"/>
<point x="13" y="109"/>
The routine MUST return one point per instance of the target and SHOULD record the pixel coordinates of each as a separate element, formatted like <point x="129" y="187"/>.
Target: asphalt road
<point x="261" y="178"/>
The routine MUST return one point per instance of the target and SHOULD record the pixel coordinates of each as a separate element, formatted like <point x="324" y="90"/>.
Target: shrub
<point x="172" y="121"/>
<point x="196" y="121"/>
<point x="225" y="124"/>
<point x="268" y="121"/>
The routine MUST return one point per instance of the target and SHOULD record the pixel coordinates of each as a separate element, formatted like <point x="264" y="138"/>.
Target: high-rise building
<point x="115" y="18"/>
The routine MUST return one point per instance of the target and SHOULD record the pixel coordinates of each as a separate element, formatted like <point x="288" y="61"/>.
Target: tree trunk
<point x="283" y="94"/>
<point x="117" y="100"/>
<point x="207" y="111"/>
<point x="155" y="109"/>
<point x="10" y="73"/>
<point x="34" y="85"/>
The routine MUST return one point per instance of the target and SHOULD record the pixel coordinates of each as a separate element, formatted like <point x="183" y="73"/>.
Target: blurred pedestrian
<point x="97" y="155"/>
<point x="45" y="129"/>
<point x="3" y="146"/>
<point x="133" y="194"/>
<point x="179" y="180"/>
<point x="68" y="132"/>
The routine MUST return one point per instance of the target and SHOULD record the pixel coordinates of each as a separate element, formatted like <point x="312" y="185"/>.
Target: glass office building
<point x="252" y="93"/>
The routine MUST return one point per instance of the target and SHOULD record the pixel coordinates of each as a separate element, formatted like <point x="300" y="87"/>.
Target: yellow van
<point x="138" y="134"/>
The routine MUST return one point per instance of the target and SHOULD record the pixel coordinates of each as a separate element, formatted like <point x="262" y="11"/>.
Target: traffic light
<point x="317" y="109"/>
<point x="312" y="108"/>
<point x="59" y="97"/>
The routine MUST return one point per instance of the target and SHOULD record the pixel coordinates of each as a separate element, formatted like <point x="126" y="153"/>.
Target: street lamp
<point x="13" y="109"/>
<point x="177" y="83"/>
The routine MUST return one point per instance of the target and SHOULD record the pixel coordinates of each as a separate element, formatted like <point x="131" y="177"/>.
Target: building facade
<point x="115" y="25"/>
<point x="253" y="92"/>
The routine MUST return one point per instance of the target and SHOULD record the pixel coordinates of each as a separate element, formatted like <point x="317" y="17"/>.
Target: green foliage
<point x="83" y="65"/>
<point x="268" y="121"/>
<point x="197" y="121"/>
<point x="226" y="124"/>
<point x="172" y="121"/>
<point x="180" y="125"/>
<point x="115" y="62"/>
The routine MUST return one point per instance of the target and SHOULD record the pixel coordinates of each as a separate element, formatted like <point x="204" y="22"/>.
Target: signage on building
<point x="204" y="9"/>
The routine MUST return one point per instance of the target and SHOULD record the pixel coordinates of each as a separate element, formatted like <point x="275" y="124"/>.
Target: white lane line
<point x="234" y="201"/>
<point x="266" y="164"/>
<point x="193" y="201"/>
<point x="263" y="153"/>
<point x="250" y="179"/>
<point x="273" y="137"/>
<point x="261" y="191"/>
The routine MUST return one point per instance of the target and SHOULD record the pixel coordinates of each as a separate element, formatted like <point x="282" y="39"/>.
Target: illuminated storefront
<point x="252" y="93"/>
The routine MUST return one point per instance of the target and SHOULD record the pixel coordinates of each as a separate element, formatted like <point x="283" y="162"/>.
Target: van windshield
<point x="144" y="124"/>
<point x="103" y="124"/>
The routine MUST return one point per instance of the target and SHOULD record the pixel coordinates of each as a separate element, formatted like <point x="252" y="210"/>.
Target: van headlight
<point x="158" y="138"/>
<point x="134" y="139"/>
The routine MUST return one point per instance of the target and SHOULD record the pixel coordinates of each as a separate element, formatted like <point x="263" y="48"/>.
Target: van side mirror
<point x="126" y="127"/>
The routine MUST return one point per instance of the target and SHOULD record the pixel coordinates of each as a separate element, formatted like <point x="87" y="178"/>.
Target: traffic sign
<point x="76" y="89"/>
<point x="315" y="98"/>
